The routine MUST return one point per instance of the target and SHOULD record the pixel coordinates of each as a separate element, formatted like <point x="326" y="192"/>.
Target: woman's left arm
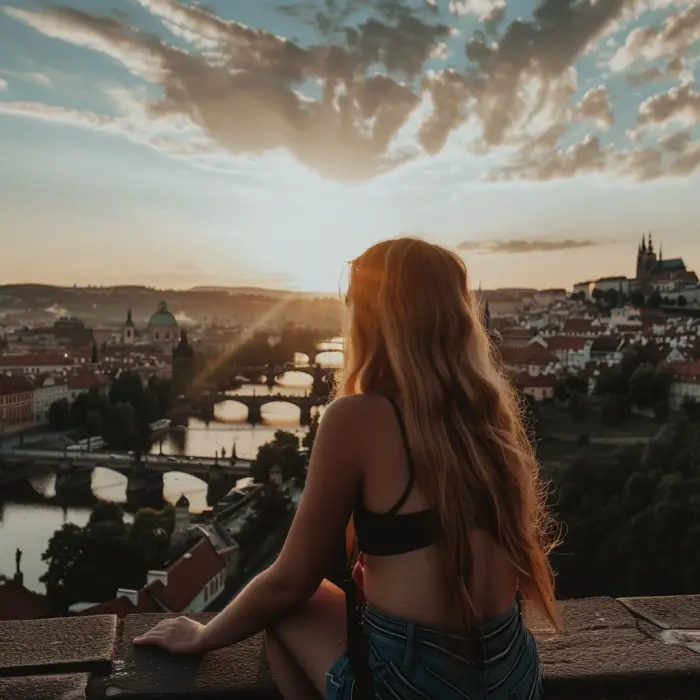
<point x="332" y="485"/>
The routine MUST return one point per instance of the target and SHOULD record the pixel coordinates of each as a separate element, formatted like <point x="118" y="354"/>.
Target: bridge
<point x="254" y="404"/>
<point x="125" y="463"/>
<point x="254" y="371"/>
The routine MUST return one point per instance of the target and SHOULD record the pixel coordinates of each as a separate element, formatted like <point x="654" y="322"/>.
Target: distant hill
<point x="263" y="292"/>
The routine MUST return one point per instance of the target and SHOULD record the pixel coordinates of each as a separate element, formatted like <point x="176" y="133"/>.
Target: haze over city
<point x="262" y="143"/>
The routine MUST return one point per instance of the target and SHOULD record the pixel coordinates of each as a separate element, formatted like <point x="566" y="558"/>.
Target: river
<point x="30" y="526"/>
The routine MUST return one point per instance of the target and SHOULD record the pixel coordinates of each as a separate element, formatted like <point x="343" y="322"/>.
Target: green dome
<point x="162" y="317"/>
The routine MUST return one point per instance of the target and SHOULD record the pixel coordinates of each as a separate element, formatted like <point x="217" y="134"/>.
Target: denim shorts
<point x="410" y="661"/>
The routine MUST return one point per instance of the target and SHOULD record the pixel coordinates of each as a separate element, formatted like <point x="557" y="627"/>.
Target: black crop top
<point x="384" y="534"/>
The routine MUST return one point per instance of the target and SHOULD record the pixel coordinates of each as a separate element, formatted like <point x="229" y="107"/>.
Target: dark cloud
<point x="515" y="246"/>
<point x="339" y="105"/>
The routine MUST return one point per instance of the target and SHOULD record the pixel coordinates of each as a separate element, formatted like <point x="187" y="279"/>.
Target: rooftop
<point x="634" y="648"/>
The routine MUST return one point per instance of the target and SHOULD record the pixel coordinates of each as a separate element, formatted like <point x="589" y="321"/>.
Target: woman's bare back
<point x="410" y="585"/>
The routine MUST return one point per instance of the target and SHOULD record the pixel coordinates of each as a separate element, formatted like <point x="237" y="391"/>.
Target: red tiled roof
<point x="188" y="575"/>
<point x="569" y="343"/>
<point x="18" y="384"/>
<point x="531" y="354"/>
<point x="35" y="360"/>
<point x="535" y="354"/>
<point x="579" y="325"/>
<point x="684" y="370"/>
<point x="85" y="381"/>
<point x="526" y="381"/>
<point x="123" y="606"/>
<point x="18" y="603"/>
<point x="672" y="276"/>
<point x="606" y="343"/>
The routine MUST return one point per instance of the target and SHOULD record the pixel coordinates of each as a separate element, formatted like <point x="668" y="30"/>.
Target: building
<point x="128" y="334"/>
<point x="584" y="289"/>
<point x="656" y="274"/>
<point x="183" y="365"/>
<point x="163" y="329"/>
<point x="190" y="584"/>
<point x="38" y="363"/>
<point x="83" y="382"/>
<point x="538" y="388"/>
<point x="686" y="383"/>
<point x="47" y="389"/>
<point x="72" y="332"/>
<point x="16" y="404"/>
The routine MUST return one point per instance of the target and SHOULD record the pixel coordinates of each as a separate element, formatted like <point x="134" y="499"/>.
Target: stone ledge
<point x="627" y="649"/>
<point x="57" y="645"/>
<point x="148" y="672"/>
<point x="67" y="687"/>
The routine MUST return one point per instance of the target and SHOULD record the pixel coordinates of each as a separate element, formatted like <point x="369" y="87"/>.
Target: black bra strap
<point x="409" y="458"/>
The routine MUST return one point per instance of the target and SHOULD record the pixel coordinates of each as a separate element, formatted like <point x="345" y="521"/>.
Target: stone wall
<point x="631" y="649"/>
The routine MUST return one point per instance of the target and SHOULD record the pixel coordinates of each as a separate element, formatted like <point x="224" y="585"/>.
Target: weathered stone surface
<point x="583" y="614"/>
<point x="68" y="687"/>
<point x="57" y="645"/>
<point x="667" y="612"/>
<point x="240" y="671"/>
<point x="609" y="655"/>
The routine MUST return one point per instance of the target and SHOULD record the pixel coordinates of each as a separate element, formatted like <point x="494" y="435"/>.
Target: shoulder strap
<point x="409" y="458"/>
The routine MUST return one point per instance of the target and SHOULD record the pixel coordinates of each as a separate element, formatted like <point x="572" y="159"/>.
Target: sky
<point x="259" y="142"/>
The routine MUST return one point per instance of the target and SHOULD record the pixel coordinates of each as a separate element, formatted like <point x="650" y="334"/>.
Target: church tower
<point x="646" y="258"/>
<point x="128" y="332"/>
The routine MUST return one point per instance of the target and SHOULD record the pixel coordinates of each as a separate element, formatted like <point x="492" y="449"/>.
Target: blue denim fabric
<point x="410" y="661"/>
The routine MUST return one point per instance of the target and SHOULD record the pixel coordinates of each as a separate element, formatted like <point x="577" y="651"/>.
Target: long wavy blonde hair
<point x="414" y="325"/>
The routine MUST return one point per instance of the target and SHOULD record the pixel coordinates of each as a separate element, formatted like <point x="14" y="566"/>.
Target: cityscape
<point x="187" y="185"/>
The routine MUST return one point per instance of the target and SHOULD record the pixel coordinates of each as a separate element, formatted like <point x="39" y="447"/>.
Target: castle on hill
<point x="670" y="277"/>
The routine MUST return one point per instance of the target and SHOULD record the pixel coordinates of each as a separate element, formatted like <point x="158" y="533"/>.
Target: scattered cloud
<point x="485" y="10"/>
<point x="673" y="38"/>
<point x="595" y="108"/>
<point x="359" y="102"/>
<point x="680" y="104"/>
<point x="517" y="246"/>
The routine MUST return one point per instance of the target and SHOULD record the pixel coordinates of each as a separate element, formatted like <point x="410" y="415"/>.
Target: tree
<point x="577" y="408"/>
<point x="282" y="452"/>
<point x="59" y="415"/>
<point x="613" y="410"/>
<point x="612" y="298"/>
<point x="655" y="300"/>
<point x="150" y="534"/>
<point x="682" y="301"/>
<point x="642" y="386"/>
<point x="308" y="440"/>
<point x="614" y="501"/>
<point x="637" y="299"/>
<point x="94" y="423"/>
<point x="89" y="564"/>
<point x="64" y="551"/>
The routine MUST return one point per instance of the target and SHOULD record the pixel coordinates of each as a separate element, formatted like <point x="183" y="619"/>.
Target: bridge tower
<point x="182" y="522"/>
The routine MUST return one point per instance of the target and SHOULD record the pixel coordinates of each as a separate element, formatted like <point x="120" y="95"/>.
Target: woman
<point x="425" y="452"/>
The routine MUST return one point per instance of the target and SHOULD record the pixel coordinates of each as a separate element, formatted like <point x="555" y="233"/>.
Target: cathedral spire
<point x="643" y="249"/>
<point x="651" y="244"/>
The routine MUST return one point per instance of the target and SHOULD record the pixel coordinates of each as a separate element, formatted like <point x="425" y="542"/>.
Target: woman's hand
<point x="179" y="635"/>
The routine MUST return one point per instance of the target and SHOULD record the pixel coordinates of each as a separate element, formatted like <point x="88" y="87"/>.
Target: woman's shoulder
<point x="360" y="410"/>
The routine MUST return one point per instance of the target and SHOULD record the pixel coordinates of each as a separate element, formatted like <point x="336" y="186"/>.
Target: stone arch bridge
<point x="254" y="404"/>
